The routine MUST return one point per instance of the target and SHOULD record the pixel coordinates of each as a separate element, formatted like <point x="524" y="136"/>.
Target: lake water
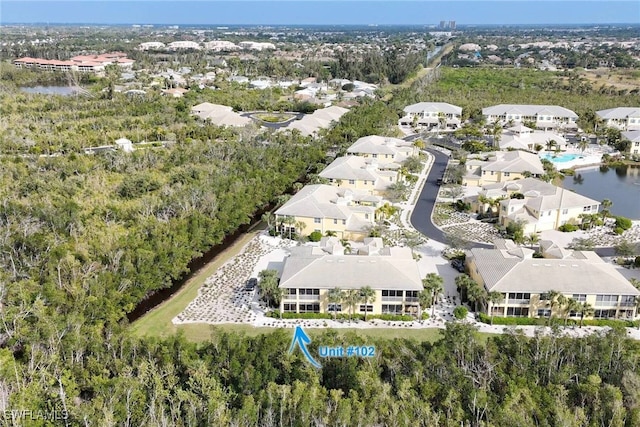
<point x="620" y="185"/>
<point x="50" y="90"/>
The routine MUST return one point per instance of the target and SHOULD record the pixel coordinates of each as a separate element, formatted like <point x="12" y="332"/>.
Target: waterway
<point x="621" y="185"/>
<point x="50" y="90"/>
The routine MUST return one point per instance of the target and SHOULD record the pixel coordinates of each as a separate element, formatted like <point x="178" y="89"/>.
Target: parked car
<point x="458" y="264"/>
<point x="251" y="285"/>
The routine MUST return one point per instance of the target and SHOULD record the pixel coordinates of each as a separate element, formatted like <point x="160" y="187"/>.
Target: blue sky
<point x="310" y="12"/>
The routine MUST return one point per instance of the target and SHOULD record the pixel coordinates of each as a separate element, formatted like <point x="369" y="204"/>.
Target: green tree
<point x="367" y="295"/>
<point x="586" y="310"/>
<point x="352" y="299"/>
<point x="494" y="297"/>
<point x="335" y="296"/>
<point x="433" y="284"/>
<point x="606" y="206"/>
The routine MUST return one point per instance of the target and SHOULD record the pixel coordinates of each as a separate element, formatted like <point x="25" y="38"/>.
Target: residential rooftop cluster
<point x="82" y="63"/>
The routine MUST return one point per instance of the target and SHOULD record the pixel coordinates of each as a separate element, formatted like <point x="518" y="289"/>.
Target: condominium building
<point x="349" y="213"/>
<point x="543" y="116"/>
<point x="622" y="118"/>
<point x="537" y="205"/>
<point x="433" y="115"/>
<point x="309" y="273"/>
<point x="501" y="166"/>
<point x="526" y="282"/>
<point x="360" y="173"/>
<point x="384" y="149"/>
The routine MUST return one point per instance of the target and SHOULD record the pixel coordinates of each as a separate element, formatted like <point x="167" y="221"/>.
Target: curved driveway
<point x="421" y="215"/>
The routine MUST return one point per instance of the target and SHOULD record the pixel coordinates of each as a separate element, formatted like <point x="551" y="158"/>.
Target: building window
<point x="309" y="291"/>
<point x="310" y="308"/>
<point x="290" y="308"/>
<point x="518" y="311"/>
<point x="366" y="216"/>
<point x="391" y="295"/>
<point x="507" y="173"/>
<point x="344" y="222"/>
<point x="368" y="308"/>
<point x="335" y="221"/>
<point x="579" y="297"/>
<point x="520" y="296"/>
<point x="628" y="300"/>
<point x="391" y="309"/>
<point x="375" y="156"/>
<point x="604" y="314"/>
<point x="606" y="299"/>
<point x="586" y="209"/>
<point x="317" y="220"/>
<point x="352" y="181"/>
<point x="565" y="211"/>
<point x="544" y="312"/>
<point x="335" y="307"/>
<point x="290" y="293"/>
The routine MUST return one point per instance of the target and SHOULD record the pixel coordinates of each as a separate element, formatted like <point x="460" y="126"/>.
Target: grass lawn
<point x="157" y="322"/>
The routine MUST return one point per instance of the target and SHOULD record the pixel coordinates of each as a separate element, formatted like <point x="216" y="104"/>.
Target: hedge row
<point x="342" y="316"/>
<point x="541" y="321"/>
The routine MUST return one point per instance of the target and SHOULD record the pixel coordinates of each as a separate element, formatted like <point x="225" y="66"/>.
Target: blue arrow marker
<point x="302" y="339"/>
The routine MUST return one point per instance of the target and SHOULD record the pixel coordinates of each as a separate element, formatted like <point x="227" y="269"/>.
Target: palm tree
<point x="571" y="305"/>
<point x="476" y="294"/>
<point x="484" y="201"/>
<point x="432" y="283"/>
<point x="637" y="301"/>
<point x="335" y="296"/>
<point x="583" y="144"/>
<point x="464" y="282"/>
<point x="289" y="221"/>
<point x="352" y="299"/>
<point x="606" y="205"/>
<point x="367" y="295"/>
<point x="424" y="300"/>
<point x="586" y="310"/>
<point x="532" y="239"/>
<point x="268" y="218"/>
<point x="550" y="144"/>
<point x="494" y="297"/>
<point x="553" y="298"/>
<point x="330" y="233"/>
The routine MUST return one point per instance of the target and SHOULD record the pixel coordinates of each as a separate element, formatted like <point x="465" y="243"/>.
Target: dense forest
<point x="87" y="237"/>
<point x="236" y="380"/>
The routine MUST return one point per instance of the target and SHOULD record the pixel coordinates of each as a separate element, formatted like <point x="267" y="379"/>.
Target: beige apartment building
<point x="501" y="166"/>
<point x="360" y="173"/>
<point x="311" y="272"/>
<point x="349" y="213"/>
<point x="525" y="282"/>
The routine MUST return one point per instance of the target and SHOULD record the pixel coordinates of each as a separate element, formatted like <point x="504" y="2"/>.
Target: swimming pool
<point x="562" y="158"/>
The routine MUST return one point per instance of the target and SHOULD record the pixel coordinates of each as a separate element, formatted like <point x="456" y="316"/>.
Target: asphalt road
<point x="421" y="215"/>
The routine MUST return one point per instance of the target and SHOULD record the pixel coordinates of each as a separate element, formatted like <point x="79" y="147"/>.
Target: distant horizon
<point x="321" y="13"/>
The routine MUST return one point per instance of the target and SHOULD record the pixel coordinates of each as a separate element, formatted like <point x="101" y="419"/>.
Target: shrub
<point x="460" y="312"/>
<point x="624" y="223"/>
<point x="618" y="230"/>
<point x="392" y="317"/>
<point x="636" y="263"/>
<point x="523" y="321"/>
<point x="568" y="228"/>
<point x="315" y="236"/>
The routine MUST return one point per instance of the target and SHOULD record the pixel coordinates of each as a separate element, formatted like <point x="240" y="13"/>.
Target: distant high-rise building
<point x="447" y="25"/>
